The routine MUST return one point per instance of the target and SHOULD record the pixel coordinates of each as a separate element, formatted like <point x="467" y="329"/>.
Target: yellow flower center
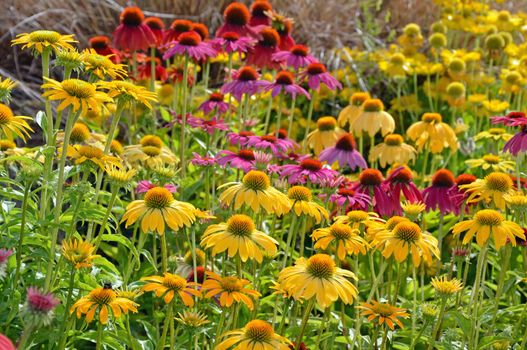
<point x="240" y="225"/>
<point x="79" y="133"/>
<point x="321" y="266"/>
<point x="98" y="61"/>
<point x="496" y="131"/>
<point x="102" y="296"/>
<point x="299" y="193"/>
<point x="6" y="144"/>
<point x="91" y="152"/>
<point x="358" y="98"/>
<point x="457" y="65"/>
<point x="256" y="180"/>
<point x="326" y="123"/>
<point x="455" y="90"/>
<point x="200" y="257"/>
<point x="174" y="282"/>
<point x="393" y="140"/>
<point x="259" y="331"/>
<point x="407" y="231"/>
<point x="397" y="59"/>
<point x="394" y="221"/>
<point x="341" y="231"/>
<point x="491" y="159"/>
<point x="151" y="151"/>
<point x="78" y="88"/>
<point x="151" y="140"/>
<point x="412" y="30"/>
<point x="500" y="182"/>
<point x="488" y="217"/>
<point x="231" y="284"/>
<point x="513" y="77"/>
<point x="116" y="147"/>
<point x="357" y="216"/>
<point x="373" y="105"/>
<point x="40" y="36"/>
<point x="385" y="310"/>
<point x="432" y="118"/>
<point x="158" y="198"/>
<point x="6" y="114"/>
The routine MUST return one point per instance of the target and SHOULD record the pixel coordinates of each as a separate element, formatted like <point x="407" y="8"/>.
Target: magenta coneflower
<point x="244" y="159"/>
<point x="284" y="27"/>
<point x="344" y="153"/>
<point x="316" y="74"/>
<point x="308" y="169"/>
<point x="144" y="185"/>
<point x="285" y="81"/>
<point x="145" y="71"/>
<point x="270" y="142"/>
<point x="296" y="58"/>
<point x="39" y="306"/>
<point x="262" y="159"/>
<point x="216" y="102"/>
<point x="517" y="143"/>
<point x="236" y="19"/>
<point x="200" y="160"/>
<point x="401" y="180"/>
<point x="335" y="182"/>
<point x="261" y="55"/>
<point x="351" y="200"/>
<point x="371" y="182"/>
<point x="245" y="81"/>
<point x="202" y="30"/>
<point x="239" y="139"/>
<point x="458" y="195"/>
<point x="511" y="119"/>
<point x="211" y="125"/>
<point x="438" y="195"/>
<point x="190" y="43"/>
<point x="6" y="343"/>
<point x="259" y="10"/>
<point x="4" y="255"/>
<point x="133" y="34"/>
<point x="157" y="27"/>
<point x="178" y="27"/>
<point x="101" y="45"/>
<point x="232" y="42"/>
<point x="178" y="119"/>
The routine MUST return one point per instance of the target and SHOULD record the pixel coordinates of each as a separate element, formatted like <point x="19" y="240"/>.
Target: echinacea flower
<point x="229" y="290"/>
<point x="284" y="27"/>
<point x="446" y="287"/>
<point x="383" y="313"/>
<point x="491" y="162"/>
<point x="210" y="126"/>
<point x="371" y="183"/>
<point x="239" y="236"/>
<point x="431" y="132"/>
<point x="6" y="343"/>
<point x="102" y="45"/>
<point x="119" y="176"/>
<point x="157" y="209"/>
<point x="347" y="240"/>
<point x="157" y="26"/>
<point x="91" y="155"/>
<point x="348" y="198"/>
<point x="302" y="203"/>
<point x="261" y="54"/>
<point x="202" y="30"/>
<point x="492" y="188"/>
<point x="243" y="159"/>
<point x="393" y="150"/>
<point x="6" y="86"/>
<point x="232" y="42"/>
<point x="318" y="277"/>
<point x="192" y="319"/>
<point x="495" y="134"/>
<point x="132" y="33"/>
<point x="11" y="124"/>
<point x="177" y="27"/>
<point x="169" y="285"/>
<point x="41" y="40"/>
<point x="39" y="306"/>
<point x="400" y="181"/>
<point x="272" y="143"/>
<point x="144" y="71"/>
<point x="245" y="82"/>
<point x="239" y="139"/>
<point x="316" y="74"/>
<point x="518" y="143"/>
<point x="255" y="335"/>
<point x="297" y="57"/>
<point x="351" y="112"/>
<point x="438" y="194"/>
<point x="101" y="66"/>
<point x="373" y="119"/>
<point x="127" y="93"/>
<point x="79" y="253"/>
<point x="215" y="102"/>
<point x="150" y="152"/>
<point x="344" y="152"/>
<point x="326" y="135"/>
<point x="259" y="13"/>
<point x="4" y="255"/>
<point x="359" y="219"/>
<point x="511" y="119"/>
<point x="204" y="161"/>
<point x="236" y="19"/>
<point x="487" y="222"/>
<point x="307" y="170"/>
<point x="189" y="44"/>
<point x="284" y="82"/>
<point x="103" y="300"/>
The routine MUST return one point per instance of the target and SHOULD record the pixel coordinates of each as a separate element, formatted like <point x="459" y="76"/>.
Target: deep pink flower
<point x="511" y="119"/>
<point x="178" y="27"/>
<point x="296" y="58"/>
<point x="5" y="343"/>
<point x="178" y="119"/>
<point x="285" y="82"/>
<point x="344" y="153"/>
<point x="458" y="195"/>
<point x="232" y="42"/>
<point x="259" y="11"/>
<point x="317" y="74"/>
<point x="144" y="185"/>
<point x="261" y="55"/>
<point x="517" y="143"/>
<point x="438" y="195"/>
<point x="401" y="180"/>
<point x="216" y="102"/>
<point x="371" y="182"/>
<point x="270" y="142"/>
<point x="133" y="34"/>
<point x="5" y="254"/>
<point x="157" y="27"/>
<point x="346" y="197"/>
<point x="190" y="43"/>
<point x="307" y="169"/>
<point x="236" y="19"/>
<point x="239" y="139"/>
<point x="245" y="81"/>
<point x="244" y="159"/>
<point x="209" y="126"/>
<point x="202" y="160"/>
<point x="284" y="26"/>
<point x="38" y="301"/>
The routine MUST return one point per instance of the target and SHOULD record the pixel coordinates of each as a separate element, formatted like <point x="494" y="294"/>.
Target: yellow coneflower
<point x="93" y="155"/>
<point x="157" y="209"/>
<point x="185" y="264"/>
<point x="373" y="119"/>
<point x="6" y="86"/>
<point x="393" y="150"/>
<point x="192" y="319"/>
<point x="350" y="113"/>
<point x="41" y="40"/>
<point x="256" y="335"/>
<point x="150" y="152"/>
<point x="446" y="287"/>
<point x="492" y="188"/>
<point x="320" y="278"/>
<point x="348" y="241"/>
<point x="303" y="204"/>
<point x="128" y="93"/>
<point x="413" y="210"/>
<point x="79" y="253"/>
<point x="104" y="300"/>
<point x="496" y="134"/>
<point x="516" y="201"/>
<point x="70" y="60"/>
<point x="326" y="135"/>
<point x="168" y="285"/>
<point x="357" y="218"/>
<point x="229" y="290"/>
<point x="240" y="237"/>
<point x="492" y="162"/>
<point x="433" y="132"/>
<point x="11" y="124"/>
<point x="256" y="192"/>
<point x="102" y="66"/>
<point x="485" y="223"/>
<point x="396" y="66"/>
<point x="383" y="313"/>
<point x="79" y="94"/>
<point x="383" y="229"/>
<point x="120" y="176"/>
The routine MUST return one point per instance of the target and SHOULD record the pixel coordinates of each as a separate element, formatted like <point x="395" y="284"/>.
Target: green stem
<point x="291" y="117"/>
<point x="27" y="188"/>
<point x="183" y="118"/>
<point x="377" y="280"/>
<point x="164" y="255"/>
<point x="305" y="318"/>
<point x="162" y="340"/>
<point x="98" y="345"/>
<point x="289" y="238"/>
<point x="478" y="283"/>
<point x="63" y="330"/>
<point x="268" y="114"/>
<point x="279" y="115"/>
<point x="106" y="217"/>
<point x="309" y="117"/>
<point x="437" y="326"/>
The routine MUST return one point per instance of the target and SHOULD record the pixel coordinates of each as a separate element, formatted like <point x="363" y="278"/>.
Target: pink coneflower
<point x="145" y="72"/>
<point x="236" y="19"/>
<point x="438" y="195"/>
<point x="335" y="182"/>
<point x="344" y="153"/>
<point x="210" y="126"/>
<point x="157" y="27"/>
<point x="284" y="27"/>
<point x="296" y="58"/>
<point x="270" y="142"/>
<point x="190" y="43"/>
<point x="259" y="10"/>
<point x="371" y="182"/>
<point x="4" y="255"/>
<point x="458" y="195"/>
<point x="511" y="119"/>
<point x="178" y="119"/>
<point x="200" y="160"/>
<point x="101" y="45"/>
<point x="316" y="74"/>
<point x="144" y="185"/>
<point x="261" y="55"/>
<point x="239" y="139"/>
<point x="401" y="181"/>
<point x="262" y="159"/>
<point x="348" y="198"/>
<point x="307" y="169"/>
<point x="216" y="102"/>
<point x="133" y="34"/>
<point x="6" y="343"/>
<point x="202" y="30"/>
<point x="285" y="81"/>
<point x="178" y="27"/>
<point x="245" y="81"/>
<point x="517" y="143"/>
<point x="232" y="42"/>
<point x="39" y="306"/>
<point x="244" y="159"/>
<point x="176" y="75"/>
